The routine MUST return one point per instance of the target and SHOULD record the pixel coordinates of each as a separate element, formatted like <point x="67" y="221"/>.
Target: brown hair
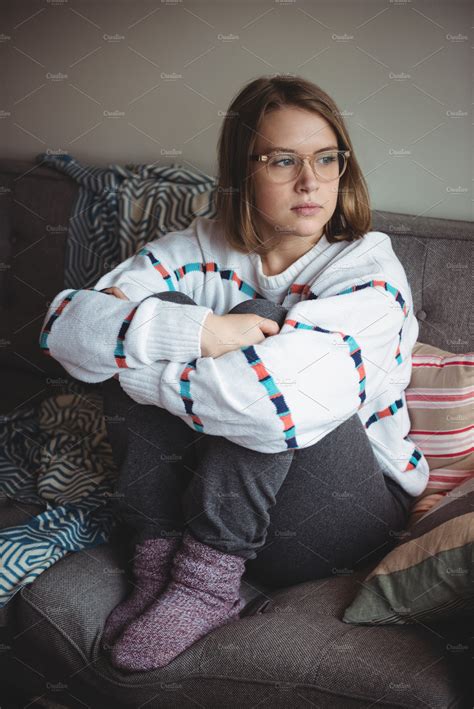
<point x="234" y="195"/>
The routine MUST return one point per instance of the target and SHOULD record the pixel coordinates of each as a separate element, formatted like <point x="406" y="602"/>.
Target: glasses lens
<point x="285" y="167"/>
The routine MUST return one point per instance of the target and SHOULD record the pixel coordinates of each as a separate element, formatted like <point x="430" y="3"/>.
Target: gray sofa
<point x="290" y="647"/>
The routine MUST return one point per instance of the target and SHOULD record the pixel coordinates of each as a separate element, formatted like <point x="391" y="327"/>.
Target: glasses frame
<point x="265" y="157"/>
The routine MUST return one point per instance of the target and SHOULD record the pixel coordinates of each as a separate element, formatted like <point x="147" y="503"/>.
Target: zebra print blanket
<point x="118" y="209"/>
<point x="56" y="455"/>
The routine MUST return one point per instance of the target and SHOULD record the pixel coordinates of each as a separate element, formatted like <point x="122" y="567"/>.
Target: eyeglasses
<point x="327" y="165"/>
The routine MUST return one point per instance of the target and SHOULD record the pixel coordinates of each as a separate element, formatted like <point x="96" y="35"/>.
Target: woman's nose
<point x="307" y="176"/>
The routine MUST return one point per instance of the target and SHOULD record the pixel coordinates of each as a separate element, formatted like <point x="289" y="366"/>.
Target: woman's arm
<point x="331" y="355"/>
<point x="94" y="336"/>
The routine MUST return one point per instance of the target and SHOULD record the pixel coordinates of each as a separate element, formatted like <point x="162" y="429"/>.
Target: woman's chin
<point x="309" y="227"/>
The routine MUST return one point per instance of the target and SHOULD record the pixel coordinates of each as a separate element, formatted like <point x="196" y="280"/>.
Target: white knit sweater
<point x="345" y="346"/>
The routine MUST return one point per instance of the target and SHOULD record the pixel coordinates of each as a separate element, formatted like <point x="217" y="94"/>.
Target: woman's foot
<point x="152" y="562"/>
<point x="203" y="594"/>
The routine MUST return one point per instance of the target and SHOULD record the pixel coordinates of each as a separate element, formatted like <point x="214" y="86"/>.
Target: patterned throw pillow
<point x="440" y="400"/>
<point x="429" y="575"/>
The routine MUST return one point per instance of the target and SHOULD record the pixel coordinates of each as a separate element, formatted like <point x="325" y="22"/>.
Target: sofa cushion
<point x="440" y="400"/>
<point x="429" y="574"/>
<point x="292" y="650"/>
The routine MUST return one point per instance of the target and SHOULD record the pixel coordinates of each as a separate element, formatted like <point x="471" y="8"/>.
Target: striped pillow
<point x="429" y="574"/>
<point x="440" y="401"/>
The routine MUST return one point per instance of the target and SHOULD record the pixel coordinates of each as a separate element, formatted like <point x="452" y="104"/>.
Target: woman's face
<point x="304" y="132"/>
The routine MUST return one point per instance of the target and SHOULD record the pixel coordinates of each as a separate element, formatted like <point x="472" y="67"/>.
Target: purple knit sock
<point x="152" y="563"/>
<point x="203" y="594"/>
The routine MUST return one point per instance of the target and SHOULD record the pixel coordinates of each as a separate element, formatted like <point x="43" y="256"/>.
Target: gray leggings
<point x="295" y="516"/>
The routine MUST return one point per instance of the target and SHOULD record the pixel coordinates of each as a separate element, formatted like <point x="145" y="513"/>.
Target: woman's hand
<point x="113" y="290"/>
<point x="224" y="333"/>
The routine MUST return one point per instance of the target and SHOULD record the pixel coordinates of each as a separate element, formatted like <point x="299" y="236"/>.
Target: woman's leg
<point x="336" y="511"/>
<point x="226" y="506"/>
<point x="227" y="502"/>
<point x="159" y="456"/>
<point x="155" y="453"/>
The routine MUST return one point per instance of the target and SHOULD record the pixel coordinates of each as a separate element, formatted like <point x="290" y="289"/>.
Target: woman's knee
<point x="174" y="296"/>
<point x="264" y="308"/>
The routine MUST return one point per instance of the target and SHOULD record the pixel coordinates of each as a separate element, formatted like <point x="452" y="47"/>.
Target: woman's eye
<point x="286" y="161"/>
<point x="329" y="159"/>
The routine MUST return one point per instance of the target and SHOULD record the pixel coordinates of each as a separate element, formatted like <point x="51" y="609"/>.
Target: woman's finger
<point x="114" y="290"/>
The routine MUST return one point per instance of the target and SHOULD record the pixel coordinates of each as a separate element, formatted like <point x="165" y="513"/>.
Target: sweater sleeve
<point x="331" y="355"/>
<point x="94" y="335"/>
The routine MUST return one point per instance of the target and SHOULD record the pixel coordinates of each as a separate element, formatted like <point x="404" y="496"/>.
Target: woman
<point x="281" y="329"/>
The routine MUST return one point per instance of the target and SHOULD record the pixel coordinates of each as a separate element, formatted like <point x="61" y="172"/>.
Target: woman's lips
<point x="306" y="211"/>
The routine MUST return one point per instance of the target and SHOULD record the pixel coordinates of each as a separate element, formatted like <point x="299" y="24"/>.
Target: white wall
<point x="401" y="71"/>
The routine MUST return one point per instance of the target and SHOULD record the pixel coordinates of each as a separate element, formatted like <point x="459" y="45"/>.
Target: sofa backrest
<point x="36" y="203"/>
<point x="438" y="256"/>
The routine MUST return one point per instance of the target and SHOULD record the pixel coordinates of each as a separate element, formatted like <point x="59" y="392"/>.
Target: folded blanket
<point x="118" y="209"/>
<point x="56" y="455"/>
